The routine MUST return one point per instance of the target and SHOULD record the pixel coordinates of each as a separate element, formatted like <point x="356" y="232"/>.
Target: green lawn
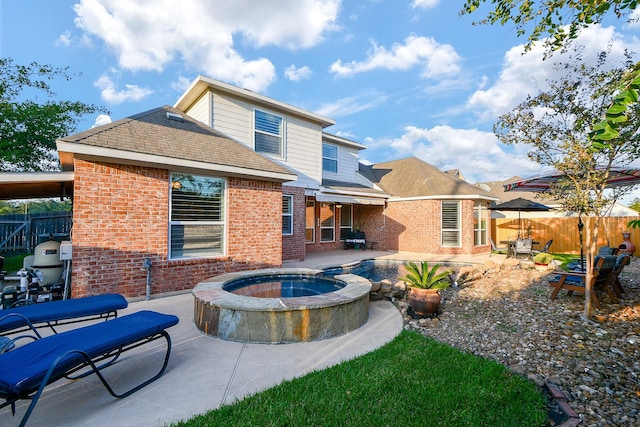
<point x="13" y="263"/>
<point x="412" y="380"/>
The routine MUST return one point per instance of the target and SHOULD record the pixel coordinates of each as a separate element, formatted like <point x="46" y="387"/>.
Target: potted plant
<point x="542" y="258"/>
<point x="424" y="284"/>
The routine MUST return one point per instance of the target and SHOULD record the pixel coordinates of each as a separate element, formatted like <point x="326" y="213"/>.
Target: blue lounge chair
<point x="55" y="313"/>
<point x="27" y="370"/>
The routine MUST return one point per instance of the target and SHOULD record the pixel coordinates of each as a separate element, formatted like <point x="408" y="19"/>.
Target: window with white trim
<point x="346" y="221"/>
<point x="480" y="214"/>
<point x="329" y="158"/>
<point x="451" y="235"/>
<point x="287" y="215"/>
<point x="310" y="222"/>
<point x="268" y="136"/>
<point x="327" y="222"/>
<point x="197" y="216"/>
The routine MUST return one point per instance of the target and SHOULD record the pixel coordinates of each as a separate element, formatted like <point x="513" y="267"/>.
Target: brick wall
<point x="415" y="226"/>
<point x="293" y="247"/>
<point x="121" y="218"/>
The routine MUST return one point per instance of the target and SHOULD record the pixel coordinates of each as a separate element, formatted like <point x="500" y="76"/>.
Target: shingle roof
<point x="350" y="187"/>
<point x="411" y="177"/>
<point x="496" y="189"/>
<point x="167" y="132"/>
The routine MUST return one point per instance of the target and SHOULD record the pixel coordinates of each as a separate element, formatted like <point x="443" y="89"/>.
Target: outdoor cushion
<point x="23" y="369"/>
<point x="61" y="310"/>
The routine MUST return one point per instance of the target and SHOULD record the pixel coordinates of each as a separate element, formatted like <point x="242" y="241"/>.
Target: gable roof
<point x="413" y="178"/>
<point x="167" y="138"/>
<point x="202" y="84"/>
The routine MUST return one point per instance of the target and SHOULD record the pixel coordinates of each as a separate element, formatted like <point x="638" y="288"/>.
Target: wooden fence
<point x="564" y="231"/>
<point x="20" y="234"/>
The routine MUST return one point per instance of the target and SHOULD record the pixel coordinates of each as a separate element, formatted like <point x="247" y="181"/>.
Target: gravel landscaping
<point x="503" y="312"/>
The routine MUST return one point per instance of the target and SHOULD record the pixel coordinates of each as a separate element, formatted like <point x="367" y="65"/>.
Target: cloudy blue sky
<point x="405" y="78"/>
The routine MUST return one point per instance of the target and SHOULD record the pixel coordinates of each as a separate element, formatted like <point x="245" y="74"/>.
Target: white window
<point x="310" y="221"/>
<point x="287" y="215"/>
<point x="451" y="223"/>
<point x="197" y="218"/>
<point x="329" y="158"/>
<point x="480" y="214"/>
<point x="327" y="222"/>
<point x="268" y="133"/>
<point x="346" y="220"/>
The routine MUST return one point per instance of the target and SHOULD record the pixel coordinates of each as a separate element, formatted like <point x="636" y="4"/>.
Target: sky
<point x="404" y="78"/>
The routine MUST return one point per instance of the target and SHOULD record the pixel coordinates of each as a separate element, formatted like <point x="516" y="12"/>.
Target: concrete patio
<point x="206" y="372"/>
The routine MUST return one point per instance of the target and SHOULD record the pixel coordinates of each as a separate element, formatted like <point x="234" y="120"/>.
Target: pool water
<point x="283" y="286"/>
<point x="378" y="270"/>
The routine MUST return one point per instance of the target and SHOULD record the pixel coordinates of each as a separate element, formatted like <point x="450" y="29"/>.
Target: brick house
<point x="229" y="180"/>
<point x="163" y="188"/>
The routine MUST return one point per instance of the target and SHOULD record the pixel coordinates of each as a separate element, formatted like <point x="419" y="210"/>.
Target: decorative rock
<point x="505" y="314"/>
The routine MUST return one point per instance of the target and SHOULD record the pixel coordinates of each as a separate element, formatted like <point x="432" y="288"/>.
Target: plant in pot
<point x="424" y="286"/>
<point x="542" y="258"/>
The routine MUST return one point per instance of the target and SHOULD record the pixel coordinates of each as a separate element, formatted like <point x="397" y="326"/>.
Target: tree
<point x="28" y="130"/>
<point x="558" y="21"/>
<point x="557" y="124"/>
<point x="635" y="205"/>
<point x="561" y="21"/>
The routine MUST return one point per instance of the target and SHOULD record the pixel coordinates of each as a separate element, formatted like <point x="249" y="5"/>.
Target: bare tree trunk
<point x="588" y="280"/>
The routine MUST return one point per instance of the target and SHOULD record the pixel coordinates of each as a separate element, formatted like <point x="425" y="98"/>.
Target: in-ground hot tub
<point x="221" y="313"/>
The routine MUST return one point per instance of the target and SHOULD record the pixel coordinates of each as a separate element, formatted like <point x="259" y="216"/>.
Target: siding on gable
<point x="347" y="165"/>
<point x="234" y="117"/>
<point x="201" y="109"/>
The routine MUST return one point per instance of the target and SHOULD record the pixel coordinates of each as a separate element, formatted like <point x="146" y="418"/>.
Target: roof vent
<point x="174" y="116"/>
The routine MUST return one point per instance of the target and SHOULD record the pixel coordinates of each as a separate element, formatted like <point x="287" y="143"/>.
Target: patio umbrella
<point x="521" y="205"/>
<point x="618" y="176"/>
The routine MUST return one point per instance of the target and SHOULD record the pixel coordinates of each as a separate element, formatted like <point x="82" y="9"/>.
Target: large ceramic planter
<point x="424" y="302"/>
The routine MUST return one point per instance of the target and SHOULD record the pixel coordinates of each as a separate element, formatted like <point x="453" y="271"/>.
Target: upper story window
<point x="268" y="133"/>
<point x="329" y="158"/>
<point x="197" y="216"/>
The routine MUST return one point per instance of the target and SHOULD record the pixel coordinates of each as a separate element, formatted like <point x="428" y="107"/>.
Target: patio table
<point x="511" y="244"/>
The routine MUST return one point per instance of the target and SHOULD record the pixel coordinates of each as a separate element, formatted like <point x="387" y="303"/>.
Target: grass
<point x="413" y="380"/>
<point x="13" y="263"/>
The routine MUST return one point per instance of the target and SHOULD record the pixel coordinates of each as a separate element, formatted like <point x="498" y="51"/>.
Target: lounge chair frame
<point x="64" y="366"/>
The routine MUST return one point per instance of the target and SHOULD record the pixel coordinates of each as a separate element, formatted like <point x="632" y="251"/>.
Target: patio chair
<point x="523" y="247"/>
<point x="574" y="281"/>
<point x="497" y="249"/>
<point x="27" y="370"/>
<point x="545" y="249"/>
<point x="612" y="285"/>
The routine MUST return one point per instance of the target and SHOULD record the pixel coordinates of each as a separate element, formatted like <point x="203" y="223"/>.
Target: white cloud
<point x="181" y="84"/>
<point x="102" y="119"/>
<point x="352" y="104"/>
<point x="437" y="59"/>
<point x="478" y="154"/>
<point x="64" y="39"/>
<point x="111" y="95"/>
<point x="296" y="74"/>
<point x="201" y="33"/>
<point x="424" y="4"/>
<point x="527" y="74"/>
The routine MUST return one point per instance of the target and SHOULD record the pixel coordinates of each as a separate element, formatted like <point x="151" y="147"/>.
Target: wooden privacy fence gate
<point x="564" y="231"/>
<point x="20" y="235"/>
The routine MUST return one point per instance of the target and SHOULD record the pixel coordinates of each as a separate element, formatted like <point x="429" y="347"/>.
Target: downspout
<point x="147" y="266"/>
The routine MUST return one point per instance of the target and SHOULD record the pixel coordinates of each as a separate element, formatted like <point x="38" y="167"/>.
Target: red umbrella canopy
<point x="618" y="176"/>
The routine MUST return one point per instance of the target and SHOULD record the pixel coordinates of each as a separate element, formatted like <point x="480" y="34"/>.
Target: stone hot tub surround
<point x="280" y="320"/>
